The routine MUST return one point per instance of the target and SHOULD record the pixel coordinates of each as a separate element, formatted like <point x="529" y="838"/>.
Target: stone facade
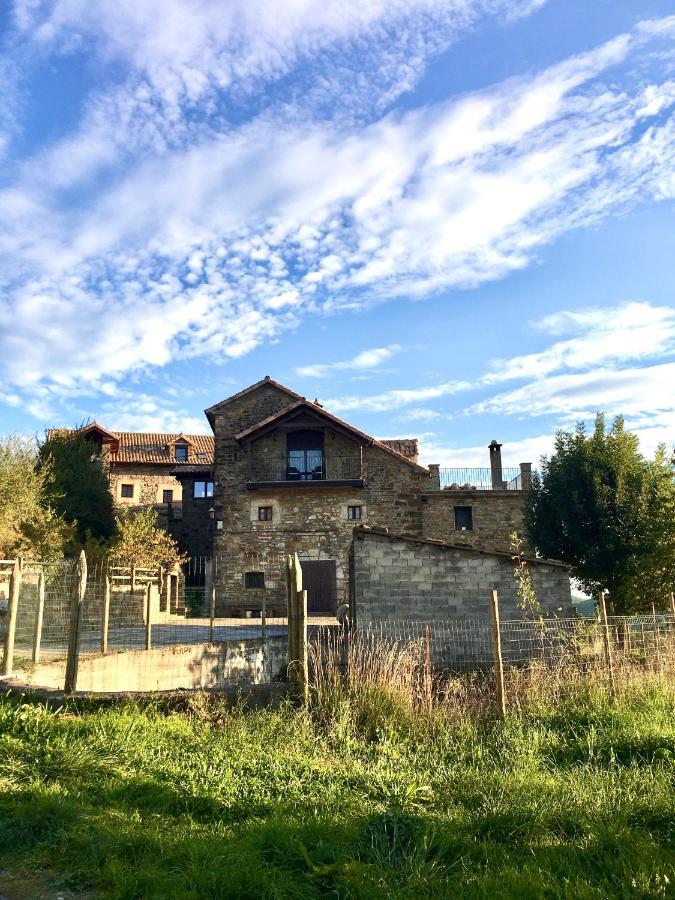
<point x="308" y="517"/>
<point x="495" y="516"/>
<point x="398" y="578"/>
<point x="148" y="484"/>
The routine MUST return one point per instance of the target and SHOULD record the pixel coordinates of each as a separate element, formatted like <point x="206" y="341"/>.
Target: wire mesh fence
<point x="135" y="631"/>
<point x="464" y="645"/>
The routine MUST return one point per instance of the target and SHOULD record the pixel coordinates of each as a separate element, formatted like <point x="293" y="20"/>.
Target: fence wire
<point x="140" y="630"/>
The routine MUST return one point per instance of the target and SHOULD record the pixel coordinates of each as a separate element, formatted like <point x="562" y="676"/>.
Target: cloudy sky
<point x="444" y="218"/>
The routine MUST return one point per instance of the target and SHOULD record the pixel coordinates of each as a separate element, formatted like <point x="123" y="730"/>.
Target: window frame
<point x="183" y="448"/>
<point x="251" y="577"/>
<point x="263" y="513"/>
<point x="207" y="493"/>
<point x="352" y="507"/>
<point x="463" y="510"/>
<point x="166" y="499"/>
<point x="123" y="491"/>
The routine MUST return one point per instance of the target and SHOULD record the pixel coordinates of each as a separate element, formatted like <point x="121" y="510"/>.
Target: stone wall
<point x="399" y="578"/>
<point x="496" y="514"/>
<point x="149" y="482"/>
<point x="310" y="520"/>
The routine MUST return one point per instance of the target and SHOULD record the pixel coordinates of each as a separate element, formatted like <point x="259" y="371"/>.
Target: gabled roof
<point x="94" y="426"/>
<point x="320" y="414"/>
<point x="209" y="413"/>
<point x="151" y="447"/>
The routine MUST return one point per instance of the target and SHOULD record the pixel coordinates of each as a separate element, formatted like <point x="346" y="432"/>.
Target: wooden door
<point x="319" y="580"/>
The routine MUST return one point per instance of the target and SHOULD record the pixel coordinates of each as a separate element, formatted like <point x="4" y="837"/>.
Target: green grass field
<point x="183" y="798"/>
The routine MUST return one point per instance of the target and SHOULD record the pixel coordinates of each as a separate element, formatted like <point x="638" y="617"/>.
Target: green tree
<point x="140" y="542"/>
<point x="29" y="526"/>
<point x="601" y="507"/>
<point x="77" y="483"/>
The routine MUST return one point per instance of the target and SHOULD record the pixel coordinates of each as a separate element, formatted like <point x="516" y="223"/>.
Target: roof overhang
<point x="303" y="414"/>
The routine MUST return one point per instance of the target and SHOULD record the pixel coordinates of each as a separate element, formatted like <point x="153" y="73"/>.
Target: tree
<point x="77" y="483"/>
<point x="140" y="542"/>
<point x="601" y="507"/>
<point x="29" y="526"/>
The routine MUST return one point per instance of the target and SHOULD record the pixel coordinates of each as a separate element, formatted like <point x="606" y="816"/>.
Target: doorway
<point x="319" y="579"/>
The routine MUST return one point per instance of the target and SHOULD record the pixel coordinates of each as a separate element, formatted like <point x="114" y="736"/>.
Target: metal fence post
<point x="72" y="661"/>
<point x="105" y="615"/>
<point x="497" y="649"/>
<point x="12" y="609"/>
<point x="39" y="615"/>
<point x="608" y="644"/>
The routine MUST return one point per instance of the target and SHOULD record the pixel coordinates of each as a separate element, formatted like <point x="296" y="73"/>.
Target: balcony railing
<point x="479" y="480"/>
<point x="318" y="469"/>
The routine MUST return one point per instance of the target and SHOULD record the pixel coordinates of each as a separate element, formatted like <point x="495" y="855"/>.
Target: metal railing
<point x="479" y="480"/>
<point x="327" y="468"/>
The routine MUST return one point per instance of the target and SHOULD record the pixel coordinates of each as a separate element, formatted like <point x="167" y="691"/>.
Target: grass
<point x="375" y="792"/>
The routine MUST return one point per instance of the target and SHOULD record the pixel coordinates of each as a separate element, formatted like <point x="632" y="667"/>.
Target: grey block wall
<point x="396" y="580"/>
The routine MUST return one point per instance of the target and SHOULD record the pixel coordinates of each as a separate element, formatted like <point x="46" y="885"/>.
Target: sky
<point x="449" y="219"/>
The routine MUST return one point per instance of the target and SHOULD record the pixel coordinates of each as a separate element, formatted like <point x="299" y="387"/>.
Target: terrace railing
<point x="326" y="468"/>
<point x="479" y="480"/>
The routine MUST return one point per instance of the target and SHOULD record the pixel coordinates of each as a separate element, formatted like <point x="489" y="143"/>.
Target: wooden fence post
<point x="608" y="645"/>
<point x="39" y="616"/>
<point x="72" y="660"/>
<point x="148" y="616"/>
<point x="105" y="615"/>
<point x="672" y="606"/>
<point x="657" y="639"/>
<point x="497" y="648"/>
<point x="427" y="664"/>
<point x="133" y="579"/>
<point x="12" y="610"/>
<point x="290" y="612"/>
<point x="303" y="679"/>
<point x="212" y="609"/>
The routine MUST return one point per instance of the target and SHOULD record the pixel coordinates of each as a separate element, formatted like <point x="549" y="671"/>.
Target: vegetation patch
<point x="186" y="797"/>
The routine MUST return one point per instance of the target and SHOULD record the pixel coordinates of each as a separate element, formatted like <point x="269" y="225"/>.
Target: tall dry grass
<point x="370" y="683"/>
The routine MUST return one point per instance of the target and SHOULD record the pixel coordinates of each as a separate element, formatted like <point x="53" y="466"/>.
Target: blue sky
<point x="451" y="220"/>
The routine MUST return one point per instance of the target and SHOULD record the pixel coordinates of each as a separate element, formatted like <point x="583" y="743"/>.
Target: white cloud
<point x="631" y="331"/>
<point x="289" y="219"/>
<point x="392" y="399"/>
<point x="529" y="449"/>
<point x="366" y="359"/>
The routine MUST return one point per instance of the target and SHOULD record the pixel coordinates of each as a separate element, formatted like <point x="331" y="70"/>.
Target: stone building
<point x="145" y="470"/>
<point x="291" y="477"/>
<point x="281" y="475"/>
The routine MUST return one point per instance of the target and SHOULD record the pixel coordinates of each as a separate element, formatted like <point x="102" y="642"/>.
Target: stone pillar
<point x="525" y="476"/>
<point x="495" y="449"/>
<point x="434" y="483"/>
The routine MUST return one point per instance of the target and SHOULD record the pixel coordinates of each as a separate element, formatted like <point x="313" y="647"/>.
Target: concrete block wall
<point x="400" y="578"/>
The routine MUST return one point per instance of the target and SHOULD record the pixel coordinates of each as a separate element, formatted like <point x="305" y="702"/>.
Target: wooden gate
<point x="319" y="580"/>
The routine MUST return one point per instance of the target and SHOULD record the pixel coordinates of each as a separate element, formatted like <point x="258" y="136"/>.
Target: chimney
<point x="435" y="473"/>
<point x="495" y="449"/>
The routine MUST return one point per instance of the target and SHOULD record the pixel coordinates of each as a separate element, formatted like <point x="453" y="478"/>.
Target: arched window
<point x="304" y="456"/>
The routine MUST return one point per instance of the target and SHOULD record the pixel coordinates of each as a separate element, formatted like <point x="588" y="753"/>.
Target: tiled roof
<point x="148" y="447"/>
<point x="405" y="446"/>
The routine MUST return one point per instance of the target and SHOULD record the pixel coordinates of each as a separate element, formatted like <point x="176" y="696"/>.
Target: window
<point x="181" y="452"/>
<point x="304" y="452"/>
<point x="353" y="512"/>
<point x="203" y="489"/>
<point x="127" y="490"/>
<point x="463" y="518"/>
<point x="264" y="513"/>
<point x="167" y="496"/>
<point x="254" y="579"/>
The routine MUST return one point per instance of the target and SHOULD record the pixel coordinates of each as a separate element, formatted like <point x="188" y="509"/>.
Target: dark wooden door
<point x="319" y="580"/>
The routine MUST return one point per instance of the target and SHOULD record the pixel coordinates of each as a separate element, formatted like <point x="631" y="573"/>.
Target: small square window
<point x="354" y="512"/>
<point x="463" y="518"/>
<point x="264" y="513"/>
<point x="203" y="489"/>
<point x="167" y="496"/>
<point x="254" y="579"/>
<point x="181" y="452"/>
<point x="127" y="490"/>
